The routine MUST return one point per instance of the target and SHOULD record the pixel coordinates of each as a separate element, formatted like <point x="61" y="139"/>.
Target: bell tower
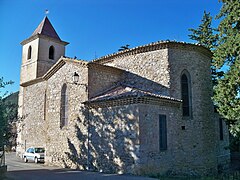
<point x="40" y="51"/>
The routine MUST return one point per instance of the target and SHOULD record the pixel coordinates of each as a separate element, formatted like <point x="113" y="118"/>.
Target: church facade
<point x="143" y="110"/>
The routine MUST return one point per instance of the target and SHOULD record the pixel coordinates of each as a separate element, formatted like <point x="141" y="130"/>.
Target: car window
<point x="31" y="150"/>
<point x="28" y="150"/>
<point x="39" y="150"/>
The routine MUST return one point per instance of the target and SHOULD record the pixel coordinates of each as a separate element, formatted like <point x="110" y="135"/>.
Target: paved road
<point x="18" y="170"/>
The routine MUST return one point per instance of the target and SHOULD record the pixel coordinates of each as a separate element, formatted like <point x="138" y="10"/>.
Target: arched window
<point x="64" y="107"/>
<point x="51" y="52"/>
<point x="29" y="56"/>
<point x="186" y="93"/>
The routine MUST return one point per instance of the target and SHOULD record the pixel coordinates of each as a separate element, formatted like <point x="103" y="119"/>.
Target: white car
<point x="34" y="154"/>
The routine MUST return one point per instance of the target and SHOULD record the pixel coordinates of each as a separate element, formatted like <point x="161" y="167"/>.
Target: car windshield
<point x="39" y="150"/>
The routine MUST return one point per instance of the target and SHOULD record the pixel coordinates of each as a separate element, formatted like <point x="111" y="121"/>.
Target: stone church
<point x="143" y="110"/>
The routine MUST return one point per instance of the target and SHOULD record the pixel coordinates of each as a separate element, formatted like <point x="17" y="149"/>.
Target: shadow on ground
<point x="62" y="174"/>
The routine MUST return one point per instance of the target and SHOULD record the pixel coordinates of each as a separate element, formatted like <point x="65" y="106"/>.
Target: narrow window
<point x="29" y="52"/>
<point x="64" y="107"/>
<point x="162" y="132"/>
<point x="51" y="52"/>
<point x="221" y="128"/>
<point x="186" y="94"/>
<point x="45" y="105"/>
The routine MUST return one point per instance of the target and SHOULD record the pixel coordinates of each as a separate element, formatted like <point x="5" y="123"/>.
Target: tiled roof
<point x="46" y="28"/>
<point x="123" y="91"/>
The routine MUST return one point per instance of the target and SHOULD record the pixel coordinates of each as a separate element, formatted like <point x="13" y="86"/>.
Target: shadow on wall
<point x="107" y="140"/>
<point x="142" y="83"/>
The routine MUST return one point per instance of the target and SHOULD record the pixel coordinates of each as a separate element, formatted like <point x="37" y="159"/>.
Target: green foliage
<point x="206" y="36"/>
<point x="225" y="45"/>
<point x="11" y="107"/>
<point x="3" y="115"/>
<point x="11" y="116"/>
<point x="226" y="54"/>
<point x="122" y="48"/>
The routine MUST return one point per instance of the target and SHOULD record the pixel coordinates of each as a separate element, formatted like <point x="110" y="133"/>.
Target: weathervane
<point x="46" y="12"/>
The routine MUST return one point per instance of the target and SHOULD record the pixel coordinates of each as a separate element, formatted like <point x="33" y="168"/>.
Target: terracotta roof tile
<point x="126" y="91"/>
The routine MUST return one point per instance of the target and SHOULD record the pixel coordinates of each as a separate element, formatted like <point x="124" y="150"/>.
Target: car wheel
<point x="25" y="159"/>
<point x="36" y="160"/>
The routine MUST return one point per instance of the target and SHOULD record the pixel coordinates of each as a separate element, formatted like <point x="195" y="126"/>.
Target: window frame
<point x="162" y="132"/>
<point x="29" y="54"/>
<point x="64" y="106"/>
<point x="51" y="52"/>
<point x="221" y="136"/>
<point x="186" y="84"/>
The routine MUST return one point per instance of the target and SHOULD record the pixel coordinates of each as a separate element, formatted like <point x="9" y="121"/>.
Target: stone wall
<point x="164" y="68"/>
<point x="101" y="78"/>
<point x="39" y="63"/>
<point x="114" y="138"/>
<point x="33" y="127"/>
<point x="44" y="63"/>
<point x="151" y="67"/>
<point x="223" y="151"/>
<point x="29" y="66"/>
<point x="124" y="138"/>
<point x="64" y="146"/>
<point x="201" y="125"/>
<point x="152" y="160"/>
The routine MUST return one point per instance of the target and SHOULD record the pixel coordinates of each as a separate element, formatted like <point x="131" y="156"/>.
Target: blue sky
<point x="95" y="28"/>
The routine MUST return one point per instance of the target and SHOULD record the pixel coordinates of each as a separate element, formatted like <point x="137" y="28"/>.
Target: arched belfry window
<point x="51" y="52"/>
<point x="29" y="55"/>
<point x="64" y="107"/>
<point x="186" y="93"/>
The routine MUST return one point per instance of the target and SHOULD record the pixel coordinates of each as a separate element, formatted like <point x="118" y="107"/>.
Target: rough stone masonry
<point x="144" y="110"/>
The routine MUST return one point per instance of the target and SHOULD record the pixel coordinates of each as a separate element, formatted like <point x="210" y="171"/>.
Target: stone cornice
<point x="34" y="81"/>
<point x="75" y="61"/>
<point x="153" y="47"/>
<point x="43" y="37"/>
<point x="133" y="100"/>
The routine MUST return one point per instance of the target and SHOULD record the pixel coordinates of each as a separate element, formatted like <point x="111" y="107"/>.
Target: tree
<point x="122" y="48"/>
<point x="3" y="117"/>
<point x="204" y="34"/>
<point x="11" y="115"/>
<point x="207" y="36"/>
<point x="227" y="56"/>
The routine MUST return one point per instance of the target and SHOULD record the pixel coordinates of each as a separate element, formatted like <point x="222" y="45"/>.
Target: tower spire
<point x="46" y="28"/>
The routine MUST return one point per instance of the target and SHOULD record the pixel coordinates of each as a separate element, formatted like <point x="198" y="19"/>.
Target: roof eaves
<point x="136" y="93"/>
<point x="127" y="100"/>
<point x="44" y="37"/>
<point x="149" y="47"/>
<point x="34" y="81"/>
